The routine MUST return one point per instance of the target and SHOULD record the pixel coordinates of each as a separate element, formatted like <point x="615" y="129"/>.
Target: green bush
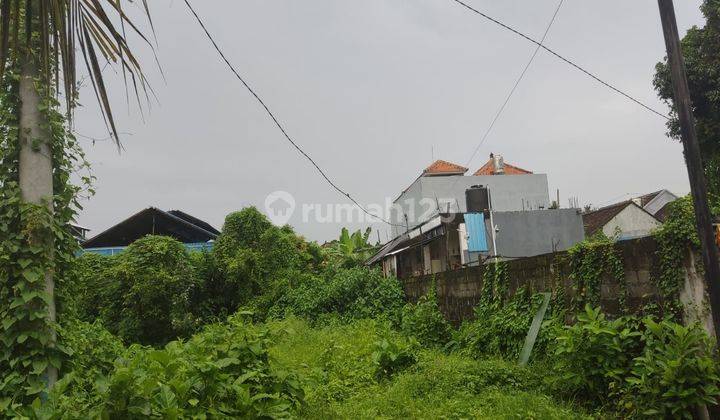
<point x="84" y="294"/>
<point x="391" y="357"/>
<point x="241" y="229"/>
<point x="425" y="322"/>
<point x="148" y="295"/>
<point x="594" y="356"/>
<point x="224" y="371"/>
<point x="500" y="329"/>
<point x="642" y="369"/>
<point x="94" y="352"/>
<point x="353" y="293"/>
<point x="675" y="373"/>
<point x="253" y="263"/>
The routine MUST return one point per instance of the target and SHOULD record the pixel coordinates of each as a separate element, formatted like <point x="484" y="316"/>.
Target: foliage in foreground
<point x="643" y="368"/>
<point x="224" y="371"/>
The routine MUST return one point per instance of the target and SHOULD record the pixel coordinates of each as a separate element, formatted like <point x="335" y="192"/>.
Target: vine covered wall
<point x="622" y="278"/>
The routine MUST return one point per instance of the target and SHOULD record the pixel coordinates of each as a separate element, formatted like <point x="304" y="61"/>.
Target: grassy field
<point x="338" y="364"/>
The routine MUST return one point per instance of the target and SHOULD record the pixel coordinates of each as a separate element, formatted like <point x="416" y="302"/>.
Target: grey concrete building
<point x="442" y="243"/>
<point x="530" y="233"/>
<point x="441" y="189"/>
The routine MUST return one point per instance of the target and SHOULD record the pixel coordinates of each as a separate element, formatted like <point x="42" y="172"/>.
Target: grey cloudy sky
<point x="369" y="88"/>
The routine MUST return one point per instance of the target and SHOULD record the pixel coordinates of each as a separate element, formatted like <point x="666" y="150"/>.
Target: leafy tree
<point x="242" y="229"/>
<point x="149" y="293"/>
<point x="701" y="49"/>
<point x="252" y="258"/>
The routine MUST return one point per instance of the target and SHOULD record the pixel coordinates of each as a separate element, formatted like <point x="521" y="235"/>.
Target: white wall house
<point x="621" y="221"/>
<point x="441" y="189"/>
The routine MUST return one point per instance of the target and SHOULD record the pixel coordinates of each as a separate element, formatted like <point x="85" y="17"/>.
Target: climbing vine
<point x="558" y="304"/>
<point x="495" y="283"/>
<point x="35" y="239"/>
<point x="590" y="261"/>
<point x="674" y="238"/>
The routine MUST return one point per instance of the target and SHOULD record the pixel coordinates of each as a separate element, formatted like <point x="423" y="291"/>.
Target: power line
<point x="517" y="83"/>
<point x="568" y="61"/>
<point x="277" y="122"/>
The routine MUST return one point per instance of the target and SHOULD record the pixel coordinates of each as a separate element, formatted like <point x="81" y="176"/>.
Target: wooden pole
<point x="698" y="186"/>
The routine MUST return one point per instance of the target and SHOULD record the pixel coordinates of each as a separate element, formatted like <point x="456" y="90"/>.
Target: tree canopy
<point x="701" y="49"/>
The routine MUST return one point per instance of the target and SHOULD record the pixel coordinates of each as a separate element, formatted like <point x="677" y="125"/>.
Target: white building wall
<point x="632" y="222"/>
<point x="509" y="193"/>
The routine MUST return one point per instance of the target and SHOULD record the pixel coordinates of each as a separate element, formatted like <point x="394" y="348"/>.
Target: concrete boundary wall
<point x="459" y="291"/>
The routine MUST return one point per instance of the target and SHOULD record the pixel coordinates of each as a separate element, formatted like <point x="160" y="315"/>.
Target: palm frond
<point x="55" y="31"/>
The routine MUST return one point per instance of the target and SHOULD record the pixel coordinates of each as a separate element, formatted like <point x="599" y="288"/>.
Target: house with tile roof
<point x="623" y="220"/>
<point x="444" y="168"/>
<point x="442" y="185"/>
<point x="497" y="166"/>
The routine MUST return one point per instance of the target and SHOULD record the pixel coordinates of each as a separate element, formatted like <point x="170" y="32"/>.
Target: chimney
<point x="498" y="164"/>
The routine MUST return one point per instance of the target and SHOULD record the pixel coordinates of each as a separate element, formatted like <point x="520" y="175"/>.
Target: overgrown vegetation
<point x="675" y="238"/>
<point x="269" y="325"/>
<point x="590" y="261"/>
<point x="34" y="242"/>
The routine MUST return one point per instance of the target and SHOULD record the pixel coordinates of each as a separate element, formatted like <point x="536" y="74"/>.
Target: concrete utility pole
<point x="698" y="186"/>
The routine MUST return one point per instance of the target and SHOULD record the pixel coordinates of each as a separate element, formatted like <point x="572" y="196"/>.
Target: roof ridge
<point x="450" y="167"/>
<point x="609" y="206"/>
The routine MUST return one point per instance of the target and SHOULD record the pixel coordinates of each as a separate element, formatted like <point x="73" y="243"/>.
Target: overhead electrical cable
<point x="566" y="60"/>
<point x="515" y="86"/>
<point x="277" y="122"/>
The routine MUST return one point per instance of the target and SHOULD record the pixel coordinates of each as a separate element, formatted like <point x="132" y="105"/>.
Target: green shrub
<point x="149" y="295"/>
<point x="425" y="322"/>
<point x="594" y="356"/>
<point x="241" y="229"/>
<point x="500" y="329"/>
<point x="675" y="373"/>
<point x="350" y="250"/>
<point x="391" y="357"/>
<point x="85" y="291"/>
<point x="211" y="301"/>
<point x="224" y="371"/>
<point x="94" y="352"/>
<point x="253" y="263"/>
<point x="354" y="293"/>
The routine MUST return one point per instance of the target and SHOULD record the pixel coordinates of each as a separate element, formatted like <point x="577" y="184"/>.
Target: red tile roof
<point x="441" y="167"/>
<point x="487" y="169"/>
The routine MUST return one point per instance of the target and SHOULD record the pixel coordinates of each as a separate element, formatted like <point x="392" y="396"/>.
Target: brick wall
<point x="459" y="291"/>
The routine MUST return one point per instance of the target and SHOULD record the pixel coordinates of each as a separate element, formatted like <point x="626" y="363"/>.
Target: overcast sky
<point x="372" y="89"/>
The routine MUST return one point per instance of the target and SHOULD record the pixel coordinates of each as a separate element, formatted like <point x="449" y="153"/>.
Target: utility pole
<point x="698" y="186"/>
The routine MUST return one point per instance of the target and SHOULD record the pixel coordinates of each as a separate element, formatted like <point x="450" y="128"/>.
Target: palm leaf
<point x="57" y="30"/>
